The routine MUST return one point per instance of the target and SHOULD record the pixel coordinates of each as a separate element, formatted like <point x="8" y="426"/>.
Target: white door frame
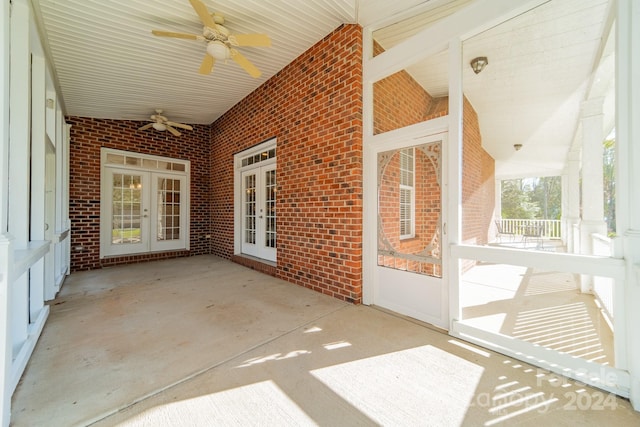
<point x="259" y="247"/>
<point x="149" y="168"/>
<point x="265" y="161"/>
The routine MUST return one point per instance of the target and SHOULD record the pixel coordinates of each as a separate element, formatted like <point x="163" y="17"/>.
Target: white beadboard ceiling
<point x="109" y="65"/>
<point x="542" y="65"/>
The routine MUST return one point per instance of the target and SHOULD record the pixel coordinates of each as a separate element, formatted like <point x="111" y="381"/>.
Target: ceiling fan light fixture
<point x="159" y="126"/>
<point x="218" y="50"/>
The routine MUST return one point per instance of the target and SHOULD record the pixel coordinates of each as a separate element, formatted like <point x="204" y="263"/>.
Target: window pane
<point x="133" y="161"/>
<point x="168" y="227"/>
<point x="250" y="208"/>
<point x="125" y="207"/>
<point x="270" y="208"/>
<point x="115" y="159"/>
<point x="149" y="164"/>
<point x="409" y="216"/>
<point x="416" y="94"/>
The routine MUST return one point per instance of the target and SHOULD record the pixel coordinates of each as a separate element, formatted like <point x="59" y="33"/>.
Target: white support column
<point x="19" y="103"/>
<point x="453" y="184"/>
<point x="37" y="193"/>
<point x="6" y="249"/>
<point x="497" y="212"/>
<point x="6" y="342"/>
<point x="592" y="180"/>
<point x="571" y="201"/>
<point x="628" y="175"/>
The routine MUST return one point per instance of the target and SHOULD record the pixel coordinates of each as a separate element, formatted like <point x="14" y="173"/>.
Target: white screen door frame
<point x="422" y="297"/>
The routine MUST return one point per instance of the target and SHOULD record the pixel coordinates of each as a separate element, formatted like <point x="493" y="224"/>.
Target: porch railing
<point x="549" y="228"/>
<point x="603" y="286"/>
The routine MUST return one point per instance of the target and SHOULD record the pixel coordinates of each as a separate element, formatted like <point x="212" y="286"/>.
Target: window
<point x="407" y="194"/>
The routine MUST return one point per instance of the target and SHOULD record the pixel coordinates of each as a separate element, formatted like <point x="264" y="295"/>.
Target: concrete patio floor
<point x="203" y="341"/>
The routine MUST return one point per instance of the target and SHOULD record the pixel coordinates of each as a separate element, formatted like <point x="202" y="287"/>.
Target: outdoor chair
<point x="502" y="232"/>
<point x="533" y="232"/>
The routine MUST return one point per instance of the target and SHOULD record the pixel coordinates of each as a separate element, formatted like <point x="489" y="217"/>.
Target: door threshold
<point x="255" y="263"/>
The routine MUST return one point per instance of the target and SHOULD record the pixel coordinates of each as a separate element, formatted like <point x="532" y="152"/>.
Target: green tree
<point x="516" y="202"/>
<point x="609" y="178"/>
<point x="546" y="193"/>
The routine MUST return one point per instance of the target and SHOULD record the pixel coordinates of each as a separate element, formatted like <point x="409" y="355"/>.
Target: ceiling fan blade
<point x="245" y="63"/>
<point x="176" y="35"/>
<point x="145" y="127"/>
<point x="207" y="64"/>
<point x="203" y="13"/>
<point x="172" y="130"/>
<point x="258" y="40"/>
<point x="178" y="125"/>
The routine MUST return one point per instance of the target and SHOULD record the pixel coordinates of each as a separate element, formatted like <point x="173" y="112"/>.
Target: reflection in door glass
<point x="250" y="209"/>
<point x="125" y="228"/>
<point x="409" y="209"/>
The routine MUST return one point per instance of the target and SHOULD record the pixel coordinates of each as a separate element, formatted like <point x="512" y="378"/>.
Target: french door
<point x="144" y="212"/>
<point x="259" y="212"/>
<point x="409" y="271"/>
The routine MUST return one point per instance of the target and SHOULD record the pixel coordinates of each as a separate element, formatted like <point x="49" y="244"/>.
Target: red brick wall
<point x="88" y="135"/>
<point x="400" y="101"/>
<point x="314" y="108"/>
<point x="478" y="188"/>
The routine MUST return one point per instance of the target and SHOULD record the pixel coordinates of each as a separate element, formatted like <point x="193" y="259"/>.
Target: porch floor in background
<point x="541" y="307"/>
<point x="204" y="341"/>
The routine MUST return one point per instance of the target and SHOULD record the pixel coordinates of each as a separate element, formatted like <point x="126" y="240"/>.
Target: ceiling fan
<point x="220" y="42"/>
<point x="161" y="123"/>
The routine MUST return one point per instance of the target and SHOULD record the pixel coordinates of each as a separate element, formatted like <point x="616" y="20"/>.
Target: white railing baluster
<point x="551" y="228"/>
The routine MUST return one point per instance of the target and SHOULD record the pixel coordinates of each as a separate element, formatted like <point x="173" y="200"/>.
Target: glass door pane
<point x="168" y="202"/>
<point x="125" y="221"/>
<point x="270" y="209"/>
<point x="126" y="202"/>
<point x="409" y="209"/>
<point x="250" y="209"/>
<point x="168" y="218"/>
<point x="249" y="212"/>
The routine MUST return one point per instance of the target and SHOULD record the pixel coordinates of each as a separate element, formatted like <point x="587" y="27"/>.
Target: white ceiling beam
<point x="473" y="19"/>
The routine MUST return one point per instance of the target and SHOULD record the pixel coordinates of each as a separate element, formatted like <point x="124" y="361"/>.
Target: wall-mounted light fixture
<point x="517" y="147"/>
<point x="478" y="64"/>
